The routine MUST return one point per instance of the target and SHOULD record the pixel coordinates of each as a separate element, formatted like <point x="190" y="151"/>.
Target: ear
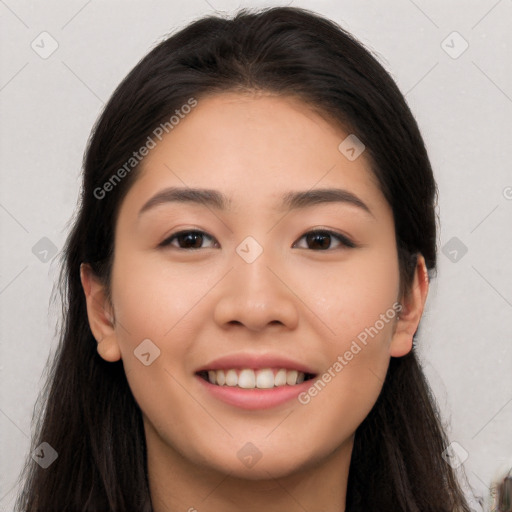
<point x="412" y="309"/>
<point x="100" y="314"/>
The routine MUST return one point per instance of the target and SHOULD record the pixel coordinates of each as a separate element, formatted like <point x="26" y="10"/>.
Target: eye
<point x="320" y="239"/>
<point x="189" y="239"/>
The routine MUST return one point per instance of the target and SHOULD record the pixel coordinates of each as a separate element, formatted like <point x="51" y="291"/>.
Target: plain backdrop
<point x="461" y="97"/>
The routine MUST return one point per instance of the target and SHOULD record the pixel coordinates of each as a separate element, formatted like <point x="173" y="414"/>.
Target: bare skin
<point x="295" y="300"/>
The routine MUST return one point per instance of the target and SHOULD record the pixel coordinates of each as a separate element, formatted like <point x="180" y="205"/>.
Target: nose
<point x="256" y="295"/>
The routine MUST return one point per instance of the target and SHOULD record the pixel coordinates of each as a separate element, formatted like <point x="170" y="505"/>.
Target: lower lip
<point x="253" y="399"/>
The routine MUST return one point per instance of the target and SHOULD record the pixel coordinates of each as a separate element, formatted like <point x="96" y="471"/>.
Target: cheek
<point x="357" y="361"/>
<point x="352" y="296"/>
<point x="154" y="298"/>
<point x="358" y="304"/>
<point x="166" y="304"/>
<point x="342" y="399"/>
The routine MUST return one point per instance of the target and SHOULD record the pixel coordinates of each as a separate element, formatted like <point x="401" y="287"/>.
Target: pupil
<point x="189" y="237"/>
<point x="314" y="238"/>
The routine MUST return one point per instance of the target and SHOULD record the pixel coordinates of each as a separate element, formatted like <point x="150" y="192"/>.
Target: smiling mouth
<point x="247" y="378"/>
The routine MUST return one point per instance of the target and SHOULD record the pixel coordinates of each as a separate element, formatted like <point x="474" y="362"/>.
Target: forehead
<point x="254" y="147"/>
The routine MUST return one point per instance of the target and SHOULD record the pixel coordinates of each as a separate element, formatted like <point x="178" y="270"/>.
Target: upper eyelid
<point x="344" y="239"/>
<point x="166" y="241"/>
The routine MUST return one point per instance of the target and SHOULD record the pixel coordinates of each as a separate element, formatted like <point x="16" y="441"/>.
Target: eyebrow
<point x="290" y="201"/>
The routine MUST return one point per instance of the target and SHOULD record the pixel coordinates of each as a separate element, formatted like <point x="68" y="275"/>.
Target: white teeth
<point x="291" y="377"/>
<point x="265" y="378"/>
<point x="231" y="378"/>
<point x="280" y="377"/>
<point x="246" y="379"/>
<point x="250" y="379"/>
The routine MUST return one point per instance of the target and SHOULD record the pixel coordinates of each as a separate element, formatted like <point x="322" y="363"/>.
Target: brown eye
<point x="191" y="239"/>
<point x="322" y="240"/>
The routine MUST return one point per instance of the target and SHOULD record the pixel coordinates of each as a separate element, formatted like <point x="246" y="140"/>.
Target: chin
<point x="269" y="469"/>
<point x="249" y="463"/>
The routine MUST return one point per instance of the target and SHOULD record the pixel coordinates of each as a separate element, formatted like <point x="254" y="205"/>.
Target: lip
<point x="255" y="399"/>
<point x="256" y="362"/>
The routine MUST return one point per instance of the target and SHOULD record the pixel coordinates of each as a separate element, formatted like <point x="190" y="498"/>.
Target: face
<point x="255" y="289"/>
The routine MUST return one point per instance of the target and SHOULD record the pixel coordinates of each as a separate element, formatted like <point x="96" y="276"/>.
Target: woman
<point x="243" y="285"/>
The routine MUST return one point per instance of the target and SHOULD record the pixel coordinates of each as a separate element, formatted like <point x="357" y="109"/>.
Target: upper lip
<point x="254" y="361"/>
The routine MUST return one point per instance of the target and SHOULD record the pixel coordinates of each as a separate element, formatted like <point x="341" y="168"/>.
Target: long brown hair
<point x="87" y="412"/>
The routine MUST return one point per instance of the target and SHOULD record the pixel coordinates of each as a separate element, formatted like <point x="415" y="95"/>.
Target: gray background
<point x="463" y="104"/>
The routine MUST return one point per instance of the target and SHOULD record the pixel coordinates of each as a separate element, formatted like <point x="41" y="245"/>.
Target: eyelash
<point x="346" y="242"/>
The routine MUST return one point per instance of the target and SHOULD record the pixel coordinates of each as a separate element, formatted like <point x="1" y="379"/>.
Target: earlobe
<point x="99" y="314"/>
<point x="108" y="349"/>
<point x="412" y="309"/>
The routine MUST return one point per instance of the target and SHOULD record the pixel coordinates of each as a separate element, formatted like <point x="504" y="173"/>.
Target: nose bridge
<point x="252" y="267"/>
<point x="254" y="294"/>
